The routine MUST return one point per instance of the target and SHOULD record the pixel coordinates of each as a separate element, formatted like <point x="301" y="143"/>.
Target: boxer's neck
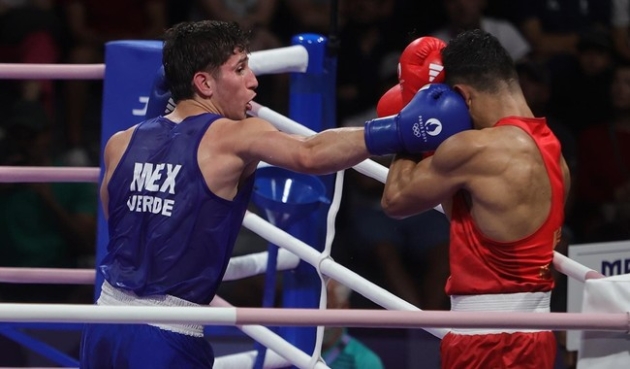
<point x="493" y="107"/>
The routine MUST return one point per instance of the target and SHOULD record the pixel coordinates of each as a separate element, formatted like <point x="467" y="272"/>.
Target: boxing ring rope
<point x="276" y="344"/>
<point x="280" y="60"/>
<point x="363" y="318"/>
<point x="574" y="269"/>
<point x="239" y="267"/>
<point x="14" y="174"/>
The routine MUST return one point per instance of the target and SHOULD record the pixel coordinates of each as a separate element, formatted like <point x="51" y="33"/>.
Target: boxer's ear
<point x="466" y="93"/>
<point x="204" y="84"/>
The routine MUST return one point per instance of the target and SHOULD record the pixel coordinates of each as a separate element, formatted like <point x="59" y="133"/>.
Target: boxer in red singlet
<point x="503" y="186"/>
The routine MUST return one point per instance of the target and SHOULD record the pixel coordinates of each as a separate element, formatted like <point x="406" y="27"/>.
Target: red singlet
<point x="509" y="276"/>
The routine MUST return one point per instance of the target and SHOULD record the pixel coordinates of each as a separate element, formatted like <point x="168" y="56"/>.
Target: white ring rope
<point x="14" y="174"/>
<point x="247" y="359"/>
<point x="574" y="269"/>
<point x="280" y="60"/>
<point x="270" y="339"/>
<point x="330" y="268"/>
<point x="51" y="71"/>
<point x="95" y="314"/>
<point x="333" y="209"/>
<point x="255" y="264"/>
<point x="239" y="267"/>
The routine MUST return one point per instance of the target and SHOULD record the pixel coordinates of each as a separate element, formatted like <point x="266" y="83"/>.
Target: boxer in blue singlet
<point x="175" y="190"/>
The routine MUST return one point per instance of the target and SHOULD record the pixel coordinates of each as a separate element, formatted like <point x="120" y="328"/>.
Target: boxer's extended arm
<point x="413" y="187"/>
<point x="326" y="152"/>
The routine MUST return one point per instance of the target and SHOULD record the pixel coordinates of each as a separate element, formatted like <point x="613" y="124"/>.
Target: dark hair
<point x="190" y="47"/>
<point x="477" y="58"/>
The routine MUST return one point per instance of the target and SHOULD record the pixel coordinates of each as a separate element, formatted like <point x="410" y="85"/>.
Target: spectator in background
<point x="29" y="32"/>
<point x="366" y="41"/>
<point x="604" y="168"/>
<point x="620" y="25"/>
<point x="535" y="81"/>
<point x="581" y="85"/>
<point x="254" y="15"/>
<point x="469" y="14"/>
<point x="48" y="225"/>
<point x="552" y="27"/>
<point x="311" y="16"/>
<point x="339" y="349"/>
<point x="92" y="23"/>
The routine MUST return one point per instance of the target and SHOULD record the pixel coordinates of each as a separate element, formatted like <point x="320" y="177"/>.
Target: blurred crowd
<point x="572" y="56"/>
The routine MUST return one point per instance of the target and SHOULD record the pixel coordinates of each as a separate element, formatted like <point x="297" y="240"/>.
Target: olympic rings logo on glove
<point x="432" y="127"/>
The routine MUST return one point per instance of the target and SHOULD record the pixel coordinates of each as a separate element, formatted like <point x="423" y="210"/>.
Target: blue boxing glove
<point x="435" y="113"/>
<point x="160" y="102"/>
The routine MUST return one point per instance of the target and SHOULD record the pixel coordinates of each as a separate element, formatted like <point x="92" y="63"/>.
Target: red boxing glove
<point x="427" y="154"/>
<point x="419" y="64"/>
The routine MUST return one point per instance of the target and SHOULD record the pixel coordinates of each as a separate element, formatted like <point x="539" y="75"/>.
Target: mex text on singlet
<point x="157" y="178"/>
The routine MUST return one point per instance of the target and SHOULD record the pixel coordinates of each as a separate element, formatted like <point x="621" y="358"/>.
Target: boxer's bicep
<point x="258" y="140"/>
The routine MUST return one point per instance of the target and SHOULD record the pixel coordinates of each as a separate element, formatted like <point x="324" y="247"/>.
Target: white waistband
<point x="111" y="296"/>
<point x="523" y="302"/>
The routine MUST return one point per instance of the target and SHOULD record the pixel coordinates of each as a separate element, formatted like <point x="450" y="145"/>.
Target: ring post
<point x="130" y="68"/>
<point x="312" y="103"/>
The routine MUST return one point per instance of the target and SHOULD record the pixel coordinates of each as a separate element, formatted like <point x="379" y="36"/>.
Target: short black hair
<point x="190" y="47"/>
<point x="478" y="59"/>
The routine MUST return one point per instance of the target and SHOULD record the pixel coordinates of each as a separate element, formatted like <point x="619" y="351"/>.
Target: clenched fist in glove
<point x="435" y="113"/>
<point x="419" y="64"/>
<point x="160" y="102"/>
